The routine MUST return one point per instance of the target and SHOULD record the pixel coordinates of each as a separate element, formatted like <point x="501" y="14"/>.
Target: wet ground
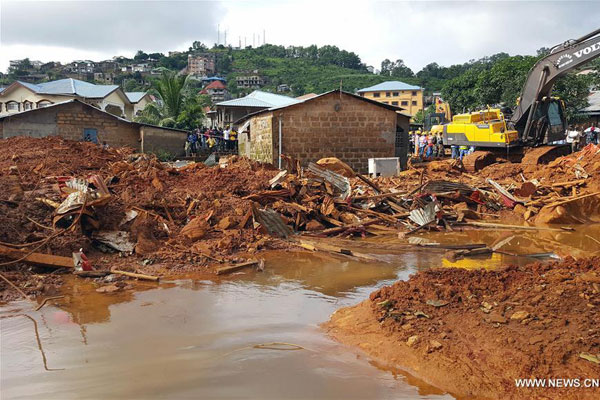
<point x="200" y="338"/>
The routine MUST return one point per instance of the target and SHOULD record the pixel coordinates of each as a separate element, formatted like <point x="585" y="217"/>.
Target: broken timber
<point x="47" y="260"/>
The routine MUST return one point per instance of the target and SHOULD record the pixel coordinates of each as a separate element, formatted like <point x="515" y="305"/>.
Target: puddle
<point x="196" y="338"/>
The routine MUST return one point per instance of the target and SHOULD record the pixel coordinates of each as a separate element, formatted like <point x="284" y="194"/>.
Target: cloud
<point x="446" y="32"/>
<point x="108" y="26"/>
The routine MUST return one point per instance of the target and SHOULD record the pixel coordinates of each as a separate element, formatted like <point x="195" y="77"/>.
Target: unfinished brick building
<point x="334" y="124"/>
<point x="76" y="120"/>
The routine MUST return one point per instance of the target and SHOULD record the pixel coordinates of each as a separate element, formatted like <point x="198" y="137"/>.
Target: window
<point x="404" y="103"/>
<point x="414" y="103"/>
<point x="27" y="105"/>
<point x="375" y="94"/>
<point x="387" y="94"/>
<point x="395" y="94"/>
<point x="90" y="135"/>
<point x="394" y="103"/>
<point x="44" y="103"/>
<point x="384" y="102"/>
<point x="554" y="114"/>
<point x="414" y="93"/>
<point x="12" y="106"/>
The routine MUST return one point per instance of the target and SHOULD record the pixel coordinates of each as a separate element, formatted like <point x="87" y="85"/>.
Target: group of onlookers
<point x="579" y="137"/>
<point x="432" y="145"/>
<point x="429" y="144"/>
<point x="215" y="139"/>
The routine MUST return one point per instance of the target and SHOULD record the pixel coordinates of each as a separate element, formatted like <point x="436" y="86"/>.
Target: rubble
<point x="192" y="217"/>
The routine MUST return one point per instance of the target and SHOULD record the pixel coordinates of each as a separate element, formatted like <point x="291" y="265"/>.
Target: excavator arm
<point x="538" y="87"/>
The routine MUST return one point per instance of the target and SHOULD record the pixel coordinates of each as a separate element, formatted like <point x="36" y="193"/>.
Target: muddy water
<point x="196" y="338"/>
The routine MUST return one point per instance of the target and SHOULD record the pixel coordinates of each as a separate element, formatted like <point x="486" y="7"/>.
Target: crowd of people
<point x="213" y="139"/>
<point x="429" y="144"/>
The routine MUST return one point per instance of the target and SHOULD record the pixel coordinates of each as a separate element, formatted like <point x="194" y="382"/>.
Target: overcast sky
<point x="446" y="32"/>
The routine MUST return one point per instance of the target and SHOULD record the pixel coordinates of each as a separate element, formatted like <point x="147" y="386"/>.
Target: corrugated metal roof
<point x="260" y="99"/>
<point x="374" y="102"/>
<point x="594" y="100"/>
<point x="134" y="97"/>
<point x="390" y="85"/>
<point x="71" y="86"/>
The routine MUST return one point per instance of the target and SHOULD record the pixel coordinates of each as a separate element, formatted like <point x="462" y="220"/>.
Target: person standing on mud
<point x="573" y="138"/>
<point x="440" y="145"/>
<point x="592" y="134"/>
<point x="226" y="133"/>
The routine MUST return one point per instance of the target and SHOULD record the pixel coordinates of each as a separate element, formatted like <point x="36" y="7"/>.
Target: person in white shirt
<point x="573" y="138"/>
<point x="226" y="134"/>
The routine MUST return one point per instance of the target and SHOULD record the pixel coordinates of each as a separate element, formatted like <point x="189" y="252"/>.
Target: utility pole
<point x="218" y="33"/>
<point x="225" y="40"/>
<point x="264" y="40"/>
<point x="254" y="40"/>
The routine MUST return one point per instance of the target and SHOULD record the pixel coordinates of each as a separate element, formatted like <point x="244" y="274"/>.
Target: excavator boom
<point x="538" y="87"/>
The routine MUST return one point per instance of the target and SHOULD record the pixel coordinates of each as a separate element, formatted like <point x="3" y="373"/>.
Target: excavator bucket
<point x="478" y="160"/>
<point x="544" y="154"/>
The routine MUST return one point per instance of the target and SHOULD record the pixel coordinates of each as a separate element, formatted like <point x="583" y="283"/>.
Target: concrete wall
<point x="400" y="98"/>
<point x="68" y="121"/>
<point x="73" y="118"/>
<point x="39" y="124"/>
<point x="261" y="144"/>
<point x="155" y="139"/>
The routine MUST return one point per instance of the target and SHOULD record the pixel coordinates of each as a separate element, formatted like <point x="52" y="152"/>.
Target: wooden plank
<point x="569" y="183"/>
<point x="510" y="227"/>
<point x="571" y="199"/>
<point x="47" y="260"/>
<point x="134" y="275"/>
<point x="342" y="228"/>
<point x="235" y="267"/>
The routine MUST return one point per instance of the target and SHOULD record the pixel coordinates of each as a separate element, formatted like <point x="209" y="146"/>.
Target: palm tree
<point x="170" y="90"/>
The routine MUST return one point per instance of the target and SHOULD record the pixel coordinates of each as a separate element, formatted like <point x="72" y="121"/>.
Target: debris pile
<point x="63" y="198"/>
<point x="472" y="332"/>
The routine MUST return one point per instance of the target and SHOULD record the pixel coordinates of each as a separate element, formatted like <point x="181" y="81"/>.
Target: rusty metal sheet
<point x="339" y="182"/>
<point x="272" y="222"/>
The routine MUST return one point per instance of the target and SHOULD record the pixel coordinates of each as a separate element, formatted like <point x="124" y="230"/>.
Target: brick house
<point x="76" y="120"/>
<point x="333" y="124"/>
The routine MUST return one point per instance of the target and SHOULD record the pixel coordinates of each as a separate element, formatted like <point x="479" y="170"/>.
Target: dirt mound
<point x="160" y="199"/>
<point x="473" y="332"/>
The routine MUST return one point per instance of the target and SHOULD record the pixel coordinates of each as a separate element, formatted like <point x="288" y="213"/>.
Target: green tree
<point x="140" y="56"/>
<point x="176" y="106"/>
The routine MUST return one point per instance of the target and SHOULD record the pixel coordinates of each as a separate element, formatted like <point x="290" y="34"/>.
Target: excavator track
<point x="544" y="154"/>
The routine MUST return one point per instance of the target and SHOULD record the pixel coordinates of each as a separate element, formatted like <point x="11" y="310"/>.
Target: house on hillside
<point x="201" y="64"/>
<point x="217" y="91"/>
<point x="22" y="96"/>
<point x="333" y="124"/>
<point x="74" y="119"/>
<point x="252" y="80"/>
<point x="227" y="112"/>
<point x="396" y="93"/>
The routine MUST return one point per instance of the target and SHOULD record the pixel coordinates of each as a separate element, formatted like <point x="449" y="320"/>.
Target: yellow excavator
<point x="538" y="120"/>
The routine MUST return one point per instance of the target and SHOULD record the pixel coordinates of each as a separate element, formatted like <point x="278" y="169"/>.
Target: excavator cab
<point x="548" y="125"/>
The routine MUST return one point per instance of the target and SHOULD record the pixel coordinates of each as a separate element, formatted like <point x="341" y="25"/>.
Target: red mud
<point x="473" y="332"/>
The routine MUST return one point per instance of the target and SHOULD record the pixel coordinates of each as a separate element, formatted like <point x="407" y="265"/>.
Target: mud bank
<point x="474" y="332"/>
